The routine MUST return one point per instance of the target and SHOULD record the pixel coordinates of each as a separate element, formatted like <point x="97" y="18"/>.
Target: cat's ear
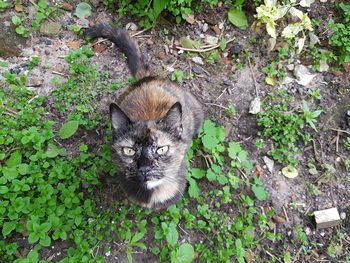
<point x="173" y="119"/>
<point x="118" y="117"/>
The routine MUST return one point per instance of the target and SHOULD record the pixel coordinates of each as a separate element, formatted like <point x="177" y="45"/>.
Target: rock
<point x="323" y="66"/>
<point x="235" y="49"/>
<point x="269" y="163"/>
<point x="81" y="22"/>
<point x="11" y="44"/>
<point x="198" y="60"/>
<point x="48" y="28"/>
<point x="210" y="40"/>
<point x="313" y="39"/>
<point x="205" y="27"/>
<point x="216" y="30"/>
<point x="328" y="77"/>
<point x="342" y="215"/>
<point x="307" y="230"/>
<point x="34" y="81"/>
<point x="255" y="106"/>
<point x="211" y="17"/>
<point x="290" y="67"/>
<point x="304" y="77"/>
<point x="131" y="26"/>
<point x="197" y="70"/>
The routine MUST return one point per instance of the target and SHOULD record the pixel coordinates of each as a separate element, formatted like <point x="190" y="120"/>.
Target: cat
<point x="153" y="124"/>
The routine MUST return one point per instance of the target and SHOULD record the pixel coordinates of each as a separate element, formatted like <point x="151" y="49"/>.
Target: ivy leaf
<point x="16" y="20"/>
<point x="14" y="160"/>
<point x="238" y="18"/>
<point x="259" y="192"/>
<point x="83" y="10"/>
<point x="193" y="189"/>
<point x="68" y="129"/>
<point x="173" y="236"/>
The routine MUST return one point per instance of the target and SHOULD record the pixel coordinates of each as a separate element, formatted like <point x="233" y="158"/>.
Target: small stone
<point x="278" y="219"/>
<point x="313" y="39"/>
<point x="235" y="49"/>
<point x="49" y="28"/>
<point x="269" y="163"/>
<point x="48" y="42"/>
<point x="15" y="70"/>
<point x="47" y="52"/>
<point x="271" y="225"/>
<point x="205" y="27"/>
<point x="131" y="26"/>
<point x="34" y="81"/>
<point x="255" y="106"/>
<point x="328" y="77"/>
<point x="221" y="25"/>
<point x="343" y="214"/>
<point x="198" y="60"/>
<point x="82" y="23"/>
<point x="307" y="230"/>
<point x="290" y="67"/>
<point x="197" y="70"/>
<point x="323" y="66"/>
<point x="210" y="40"/>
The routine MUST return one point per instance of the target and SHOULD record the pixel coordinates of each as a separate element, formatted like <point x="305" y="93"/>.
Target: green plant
<point x="284" y="126"/>
<point x="177" y="75"/>
<point x="3" y="5"/>
<point x="341" y="36"/>
<point x="347" y="143"/>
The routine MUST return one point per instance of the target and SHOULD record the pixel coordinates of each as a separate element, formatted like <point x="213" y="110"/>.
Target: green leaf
<point x="15" y="159"/>
<point x="128" y="254"/>
<point x="20" y="30"/>
<point x="193" y="189"/>
<point x="42" y="4"/>
<point x="238" y="18"/>
<point x="197" y="173"/>
<point x="33" y="237"/>
<point x="16" y="20"/>
<point x="83" y="10"/>
<point x="3" y="189"/>
<point x="68" y="129"/>
<point x="184" y="254"/>
<point x="46" y="241"/>
<point x="259" y="192"/>
<point x="211" y="176"/>
<point x="172" y="236"/>
<point x="8" y="227"/>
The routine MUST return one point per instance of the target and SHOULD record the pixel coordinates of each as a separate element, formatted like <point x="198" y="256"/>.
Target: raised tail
<point x="138" y="68"/>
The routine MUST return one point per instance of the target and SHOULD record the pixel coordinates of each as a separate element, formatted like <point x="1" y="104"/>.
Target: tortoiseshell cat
<point x="153" y="124"/>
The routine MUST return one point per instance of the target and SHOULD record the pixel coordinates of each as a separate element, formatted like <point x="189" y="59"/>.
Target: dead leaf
<point x="66" y="6"/>
<point x="278" y="219"/>
<point x="258" y="171"/>
<point x="18" y="8"/>
<point x="227" y="62"/>
<point x="190" y="19"/>
<point x="98" y="49"/>
<point x="74" y="44"/>
<point x="346" y="66"/>
<point x="270" y="81"/>
<point x="337" y="73"/>
<point x="255" y="27"/>
<point x="282" y="45"/>
<point x="216" y="30"/>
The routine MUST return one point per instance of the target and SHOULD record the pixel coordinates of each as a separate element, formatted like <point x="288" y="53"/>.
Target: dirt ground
<point x="216" y="86"/>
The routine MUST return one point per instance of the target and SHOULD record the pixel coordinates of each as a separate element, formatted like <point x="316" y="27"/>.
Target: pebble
<point x="303" y="75"/>
<point x="15" y="70"/>
<point x="47" y="42"/>
<point x="131" y="26"/>
<point x="328" y="77"/>
<point x="205" y="27"/>
<point x="343" y="214"/>
<point x="198" y="60"/>
<point x="235" y="49"/>
<point x="47" y="52"/>
<point x="197" y="70"/>
<point x="307" y="230"/>
<point x="210" y="40"/>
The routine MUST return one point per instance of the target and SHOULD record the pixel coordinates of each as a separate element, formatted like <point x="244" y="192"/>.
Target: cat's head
<point x="148" y="153"/>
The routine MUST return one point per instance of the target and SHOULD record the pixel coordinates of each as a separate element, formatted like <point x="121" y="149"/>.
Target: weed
<point x="284" y="126"/>
<point x="347" y="143"/>
<point x="177" y="75"/>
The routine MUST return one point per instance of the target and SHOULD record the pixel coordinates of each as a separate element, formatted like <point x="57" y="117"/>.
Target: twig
<point x="139" y="33"/>
<point x="337" y="142"/>
<point x="315" y="150"/>
<point x="11" y="111"/>
<point x="29" y="101"/>
<point x="58" y="73"/>
<point x="222" y="93"/>
<point x="244" y="175"/>
<point x="183" y="230"/>
<point x="99" y="41"/>
<point x="217" y="105"/>
<point x="202" y="49"/>
<point x="254" y="80"/>
<point x="285" y="213"/>
<point x="338" y="130"/>
<point x="332" y="196"/>
<point x="274" y="257"/>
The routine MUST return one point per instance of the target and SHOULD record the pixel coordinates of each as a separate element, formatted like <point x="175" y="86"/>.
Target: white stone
<point x="342" y="215"/>
<point x="210" y="40"/>
<point x="269" y="163"/>
<point x="327" y="218"/>
<point x="313" y="39"/>
<point x="198" y="60"/>
<point x="255" y="106"/>
<point x="205" y="27"/>
<point x="323" y="66"/>
<point x="131" y="26"/>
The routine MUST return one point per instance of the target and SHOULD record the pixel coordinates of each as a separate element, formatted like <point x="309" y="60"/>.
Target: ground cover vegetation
<point x="52" y="195"/>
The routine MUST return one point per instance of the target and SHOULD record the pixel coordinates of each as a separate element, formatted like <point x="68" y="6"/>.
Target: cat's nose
<point x="144" y="170"/>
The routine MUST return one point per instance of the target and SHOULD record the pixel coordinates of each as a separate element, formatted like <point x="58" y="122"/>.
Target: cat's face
<point x="147" y="151"/>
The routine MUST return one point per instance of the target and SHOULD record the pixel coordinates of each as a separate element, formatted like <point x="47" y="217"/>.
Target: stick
<point x="217" y="105"/>
<point x="338" y="130"/>
<point x="267" y="252"/>
<point x="58" y="73"/>
<point x="139" y="33"/>
<point x="285" y="213"/>
<point x="202" y="50"/>
<point x="254" y="80"/>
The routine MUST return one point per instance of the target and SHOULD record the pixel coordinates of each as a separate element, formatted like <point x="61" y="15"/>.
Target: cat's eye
<point x="128" y="151"/>
<point x="162" y="150"/>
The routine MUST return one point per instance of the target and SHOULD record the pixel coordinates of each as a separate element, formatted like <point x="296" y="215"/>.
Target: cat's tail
<point x="138" y="68"/>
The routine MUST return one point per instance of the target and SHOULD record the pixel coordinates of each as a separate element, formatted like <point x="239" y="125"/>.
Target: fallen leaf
<point x="270" y="81"/>
<point x="237" y="18"/>
<point x="282" y="45"/>
<point x="290" y="172"/>
<point x="346" y="66"/>
<point x="258" y="171"/>
<point x="66" y="6"/>
<point x="18" y="8"/>
<point x="227" y="62"/>
<point x="255" y="27"/>
<point x="98" y="49"/>
<point x="186" y="42"/>
<point x="216" y="30"/>
<point x="337" y="73"/>
<point x="306" y="3"/>
<point x="190" y="19"/>
<point x="278" y="219"/>
<point x="74" y="44"/>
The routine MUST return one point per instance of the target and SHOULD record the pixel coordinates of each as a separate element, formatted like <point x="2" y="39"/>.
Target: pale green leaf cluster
<point x="270" y="12"/>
